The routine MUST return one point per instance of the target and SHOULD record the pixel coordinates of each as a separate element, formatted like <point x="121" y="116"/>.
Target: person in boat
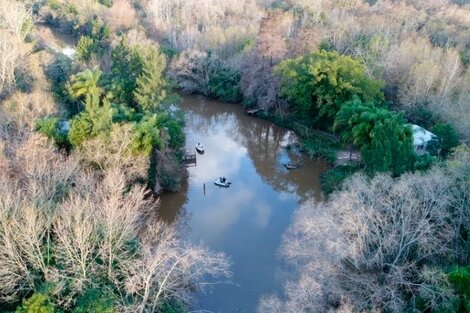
<point x="222" y="179"/>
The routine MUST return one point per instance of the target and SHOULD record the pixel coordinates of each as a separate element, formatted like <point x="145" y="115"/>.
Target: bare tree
<point x="113" y="151"/>
<point x="100" y="231"/>
<point x="373" y="242"/>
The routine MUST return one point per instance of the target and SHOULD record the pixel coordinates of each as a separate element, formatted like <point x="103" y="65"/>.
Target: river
<point x="247" y="220"/>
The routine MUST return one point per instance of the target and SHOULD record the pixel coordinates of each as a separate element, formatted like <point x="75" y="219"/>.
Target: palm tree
<point x="86" y="84"/>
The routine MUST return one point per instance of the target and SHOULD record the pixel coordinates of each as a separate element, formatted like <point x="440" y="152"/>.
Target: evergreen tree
<point x="86" y="84"/>
<point x="151" y="85"/>
<point x="37" y="303"/>
<point x="126" y="67"/>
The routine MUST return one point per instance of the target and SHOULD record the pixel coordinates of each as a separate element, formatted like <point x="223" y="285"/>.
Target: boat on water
<point x="222" y="182"/>
<point x="291" y="165"/>
<point x="200" y="147"/>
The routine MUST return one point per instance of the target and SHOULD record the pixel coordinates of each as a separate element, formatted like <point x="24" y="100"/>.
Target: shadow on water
<point x="247" y="220"/>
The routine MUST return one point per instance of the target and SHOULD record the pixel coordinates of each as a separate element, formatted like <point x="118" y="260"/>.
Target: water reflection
<point x="248" y="219"/>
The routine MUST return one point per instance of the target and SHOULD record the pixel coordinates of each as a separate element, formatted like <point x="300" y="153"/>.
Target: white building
<point x="421" y="138"/>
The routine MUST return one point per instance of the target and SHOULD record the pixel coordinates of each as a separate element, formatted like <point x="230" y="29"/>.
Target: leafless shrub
<point x="121" y="16"/>
<point x="113" y="151"/>
<point x="369" y="243"/>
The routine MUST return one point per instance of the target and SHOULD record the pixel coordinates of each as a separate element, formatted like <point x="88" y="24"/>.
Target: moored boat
<point x="200" y="147"/>
<point x="222" y="182"/>
<point x="291" y="165"/>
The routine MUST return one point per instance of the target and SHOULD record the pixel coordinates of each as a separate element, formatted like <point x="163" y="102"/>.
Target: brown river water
<point x="247" y="220"/>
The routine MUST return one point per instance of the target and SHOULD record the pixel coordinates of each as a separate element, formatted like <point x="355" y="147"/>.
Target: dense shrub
<point x="332" y="180"/>
<point x="446" y="140"/>
<point x="37" y="303"/>
<point x="319" y="83"/>
<point x="320" y="147"/>
<point x="207" y="74"/>
<point x="50" y="127"/>
<point x="85" y="48"/>
<point x="223" y="84"/>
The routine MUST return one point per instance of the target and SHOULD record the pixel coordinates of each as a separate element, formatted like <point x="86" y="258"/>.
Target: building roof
<point x="421" y="136"/>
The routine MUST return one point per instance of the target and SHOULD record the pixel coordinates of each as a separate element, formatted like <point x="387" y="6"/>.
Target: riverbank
<point x="319" y="144"/>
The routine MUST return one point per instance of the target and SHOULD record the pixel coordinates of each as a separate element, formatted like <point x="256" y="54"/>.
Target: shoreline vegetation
<point x="86" y="131"/>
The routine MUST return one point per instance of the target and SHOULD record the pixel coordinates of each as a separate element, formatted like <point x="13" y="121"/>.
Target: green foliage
<point x="382" y="136"/>
<point x="146" y="136"/>
<point x="95" y="120"/>
<point x="223" y="84"/>
<point x="53" y="4"/>
<point x="446" y="140"/>
<point x="174" y="129"/>
<point x="333" y="179"/>
<point x="423" y="162"/>
<point x="320" y="147"/>
<point x="50" y="127"/>
<point x="86" y="85"/>
<point x="108" y="3"/>
<point x="37" y="303"/>
<point x="460" y="279"/>
<point x="85" y="48"/>
<point x="58" y="73"/>
<point x="319" y="83"/>
<point x="137" y="76"/>
<point x="95" y="301"/>
<point x="420" y="115"/>
<point x="151" y="85"/>
<point x="97" y="29"/>
<point x="173" y="308"/>
<point x="126" y="67"/>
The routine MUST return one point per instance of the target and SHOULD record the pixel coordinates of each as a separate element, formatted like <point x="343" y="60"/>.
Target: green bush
<point x="446" y="140"/>
<point x="333" y="179"/>
<point x="37" y="303"/>
<point x="53" y="4"/>
<point x="108" y="3"/>
<point x="460" y="279"/>
<point x="174" y="128"/>
<point x="50" y="127"/>
<point x="223" y="84"/>
<point x="423" y="162"/>
<point x="81" y="128"/>
<point x="321" y="147"/>
<point x="146" y="136"/>
<point x="173" y="308"/>
<point x="94" y="301"/>
<point x="90" y="123"/>
<point x="85" y="48"/>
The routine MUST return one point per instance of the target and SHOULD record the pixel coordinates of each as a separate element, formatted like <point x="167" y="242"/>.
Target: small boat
<point x="222" y="182"/>
<point x="200" y="147"/>
<point x="291" y="165"/>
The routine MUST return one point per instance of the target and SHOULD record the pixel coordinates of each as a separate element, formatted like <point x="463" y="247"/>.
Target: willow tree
<point x="319" y="83"/>
<point x="384" y="139"/>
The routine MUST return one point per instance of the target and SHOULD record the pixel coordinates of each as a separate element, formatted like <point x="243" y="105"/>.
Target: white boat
<point x="291" y="165"/>
<point x="200" y="147"/>
<point x="222" y="182"/>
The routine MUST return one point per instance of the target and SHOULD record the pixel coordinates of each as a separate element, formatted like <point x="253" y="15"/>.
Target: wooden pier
<point x="190" y="158"/>
<point x="252" y="111"/>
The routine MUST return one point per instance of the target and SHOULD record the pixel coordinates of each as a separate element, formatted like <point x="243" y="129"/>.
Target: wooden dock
<point x="252" y="111"/>
<point x="190" y="158"/>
